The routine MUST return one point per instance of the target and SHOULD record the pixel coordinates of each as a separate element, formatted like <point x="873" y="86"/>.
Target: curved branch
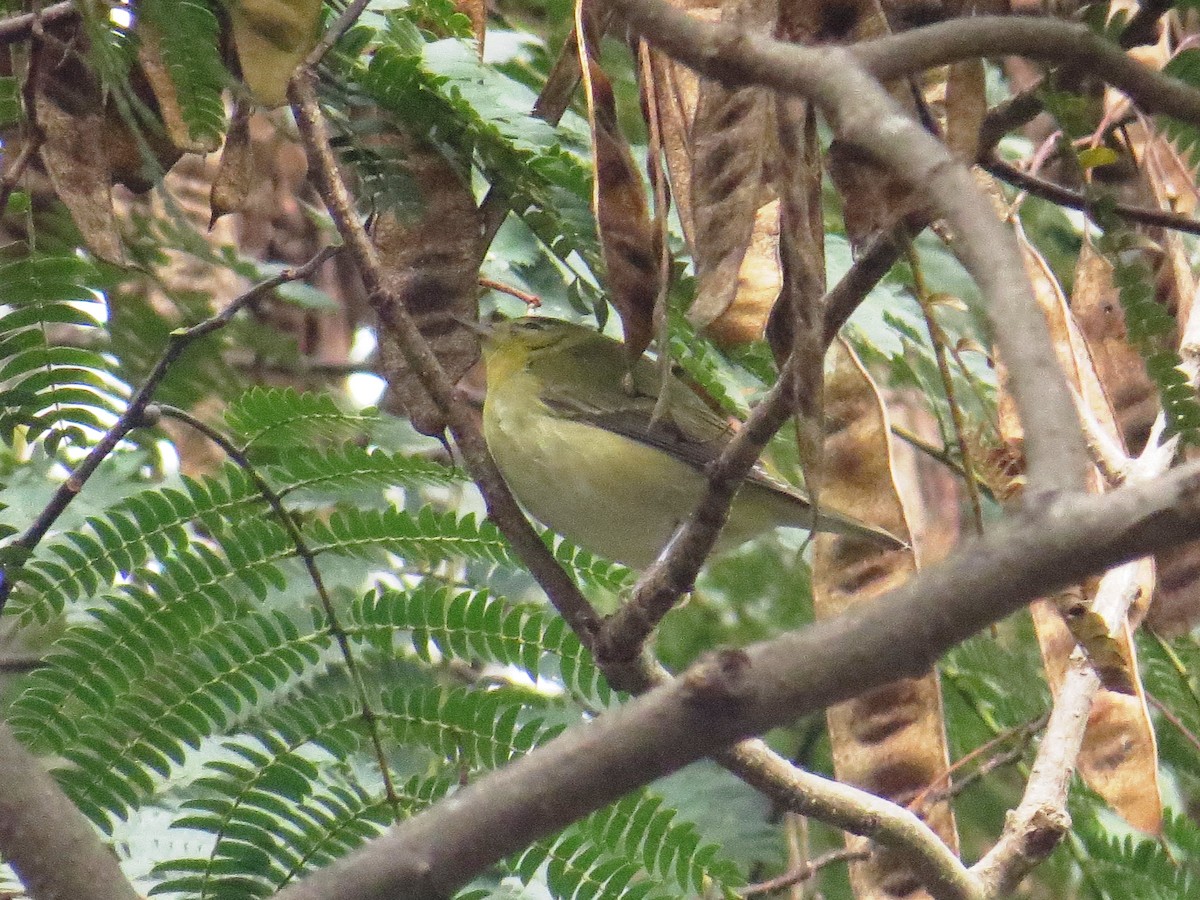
<point x="1057" y="194"/>
<point x="51" y="846"/>
<point x="736" y="693"/>
<point x="1046" y="39"/>
<point x="863" y="114"/>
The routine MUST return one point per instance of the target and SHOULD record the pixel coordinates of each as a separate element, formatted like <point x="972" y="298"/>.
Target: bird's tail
<point x="837" y="523"/>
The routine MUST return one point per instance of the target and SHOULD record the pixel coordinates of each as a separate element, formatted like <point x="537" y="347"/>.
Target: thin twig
<point x="134" y="414"/>
<point x="941" y="455"/>
<point x="12" y="175"/>
<point x="31" y="131"/>
<point x="932" y="794"/>
<point x="309" y="559"/>
<point x="334" y="32"/>
<point x="533" y="301"/>
<point x="1175" y="721"/>
<point x="988" y="766"/>
<point x="870" y="265"/>
<point x="939" y="340"/>
<point x="802" y="873"/>
<point x="1062" y="196"/>
<point x="1181" y="671"/>
<point x="1018" y="110"/>
<point x="19" y="27"/>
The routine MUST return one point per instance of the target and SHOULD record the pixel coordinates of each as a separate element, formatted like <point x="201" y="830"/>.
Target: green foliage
<point x="188" y="35"/>
<point x="50" y="390"/>
<point x="196" y="672"/>
<point x="190" y="622"/>
<point x="1128" y="865"/>
<point x="1150" y="327"/>
<point x="474" y="625"/>
<point x="1186" y="136"/>
<point x="600" y="854"/>
<point x="442" y="88"/>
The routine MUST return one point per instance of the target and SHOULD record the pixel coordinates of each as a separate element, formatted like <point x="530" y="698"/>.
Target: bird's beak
<point x="480" y="328"/>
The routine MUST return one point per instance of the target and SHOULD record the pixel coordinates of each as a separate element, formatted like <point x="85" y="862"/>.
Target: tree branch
<point x="803" y="873"/>
<point x="1039" y="822"/>
<point x="134" y="414"/>
<point x="733" y="694"/>
<point x="51" y="846"/>
<point x="673" y="574"/>
<point x="755" y="762"/>
<point x="856" y="811"/>
<point x="1062" y="196"/>
<point x="1035" y="38"/>
<point x="19" y="27"/>
<point x="864" y="115"/>
<point x="501" y="506"/>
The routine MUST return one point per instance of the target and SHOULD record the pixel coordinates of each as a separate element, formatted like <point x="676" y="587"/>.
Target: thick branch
<point x="1046" y="39"/>
<point x="54" y="850"/>
<point x="864" y="115"/>
<point x="501" y="506"/>
<point x="19" y="27"/>
<point x="734" y="694"/>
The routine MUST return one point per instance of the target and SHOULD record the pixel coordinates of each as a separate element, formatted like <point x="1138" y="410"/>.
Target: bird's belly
<point x="606" y="493"/>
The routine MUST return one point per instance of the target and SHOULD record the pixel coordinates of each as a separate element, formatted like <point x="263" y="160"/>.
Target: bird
<point x="571" y="425"/>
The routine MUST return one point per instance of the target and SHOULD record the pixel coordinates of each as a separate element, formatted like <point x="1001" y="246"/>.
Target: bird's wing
<point x="691" y="431"/>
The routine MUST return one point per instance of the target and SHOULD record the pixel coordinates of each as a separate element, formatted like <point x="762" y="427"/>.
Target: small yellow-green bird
<point x="574" y="434"/>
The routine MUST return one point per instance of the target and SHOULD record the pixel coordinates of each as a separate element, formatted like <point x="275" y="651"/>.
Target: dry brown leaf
<point x="72" y="153"/>
<point x="431" y="265"/>
<point x="627" y="234"/>
<point x="235" y="174"/>
<point x="728" y="188"/>
<point x="162" y="85"/>
<point x="890" y="741"/>
<point x="677" y="92"/>
<point x="1098" y="639"/>
<point x="1118" y="758"/>
<point x="873" y="198"/>
<point x="966" y="106"/>
<point x="734" y="245"/>
<point x="477" y="12"/>
<point x="1119" y="755"/>
<point x="1097" y="309"/>
<point x="796" y="326"/>
<point x="272" y="37"/>
<point x="734" y="312"/>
